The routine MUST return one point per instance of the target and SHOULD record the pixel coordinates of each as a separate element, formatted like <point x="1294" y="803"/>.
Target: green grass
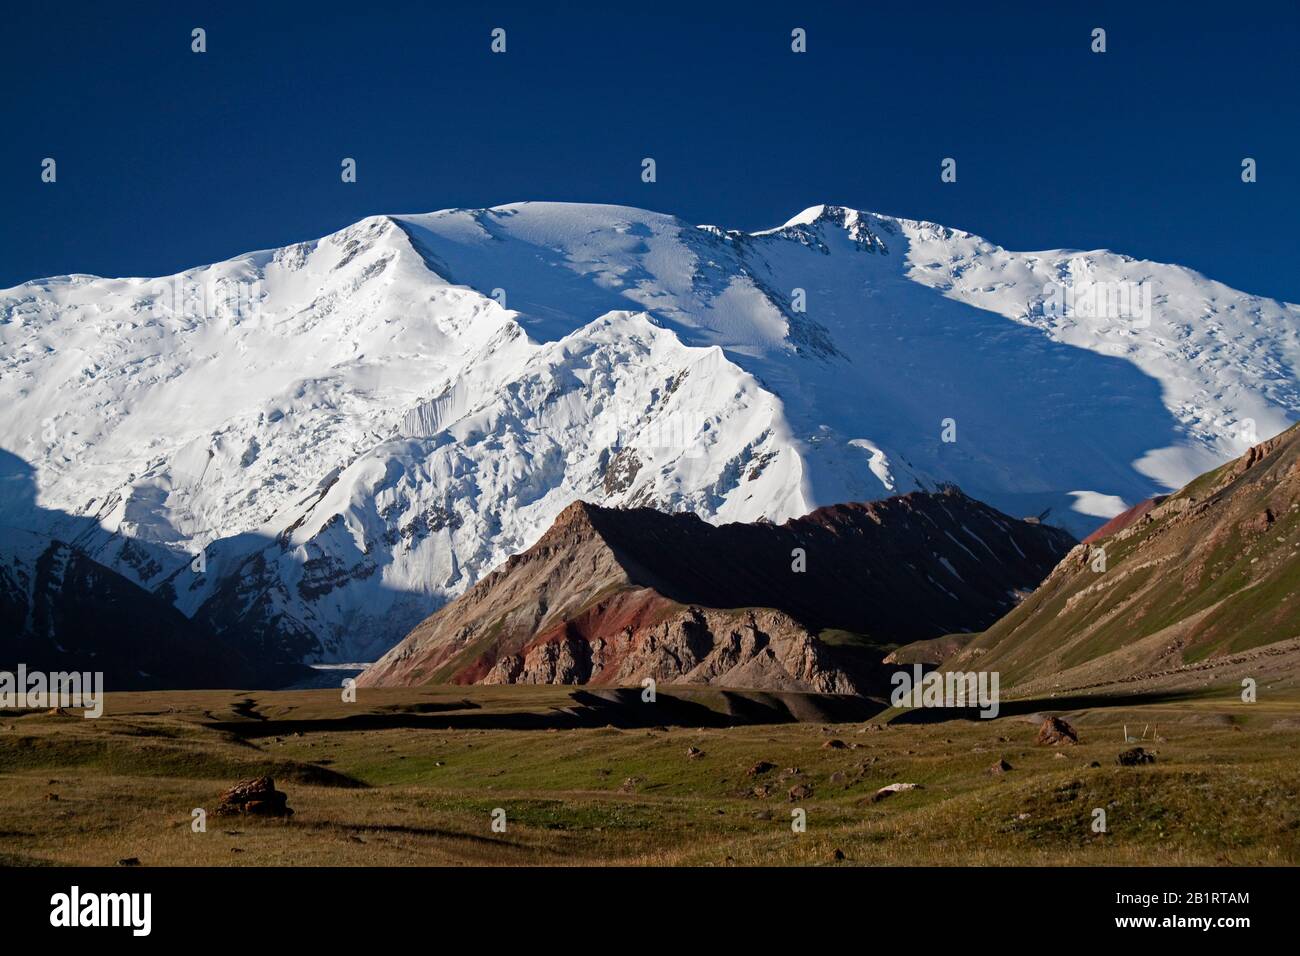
<point x="1225" y="788"/>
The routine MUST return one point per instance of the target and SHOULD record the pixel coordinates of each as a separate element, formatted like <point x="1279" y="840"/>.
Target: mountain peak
<point x="576" y="515"/>
<point x="828" y="212"/>
<point x="814" y="215"/>
<point x="809" y="216"/>
<point x="866" y="230"/>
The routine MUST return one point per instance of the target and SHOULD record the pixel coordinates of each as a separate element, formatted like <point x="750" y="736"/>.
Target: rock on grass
<point x="1055" y="731"/>
<point x="256" y="797"/>
<point x="1134" y="757"/>
<point x="890" y="789"/>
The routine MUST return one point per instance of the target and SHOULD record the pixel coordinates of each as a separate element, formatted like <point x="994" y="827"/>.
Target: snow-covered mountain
<point x="351" y="431"/>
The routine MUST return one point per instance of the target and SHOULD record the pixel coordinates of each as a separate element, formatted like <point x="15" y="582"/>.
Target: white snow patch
<point x="1097" y="505"/>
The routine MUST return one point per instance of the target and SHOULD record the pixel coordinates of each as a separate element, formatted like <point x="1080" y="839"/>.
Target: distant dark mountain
<point x="610" y="596"/>
<point x="61" y="611"/>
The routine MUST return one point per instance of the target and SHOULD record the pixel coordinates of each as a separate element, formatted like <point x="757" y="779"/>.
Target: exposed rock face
<point x="1199" y="586"/>
<point x="762" y="648"/>
<point x="615" y="596"/>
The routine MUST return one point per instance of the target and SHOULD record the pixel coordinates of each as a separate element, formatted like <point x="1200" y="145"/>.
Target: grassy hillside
<point x="1211" y="576"/>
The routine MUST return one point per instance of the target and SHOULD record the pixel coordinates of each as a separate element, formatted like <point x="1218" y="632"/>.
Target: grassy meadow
<point x="412" y="777"/>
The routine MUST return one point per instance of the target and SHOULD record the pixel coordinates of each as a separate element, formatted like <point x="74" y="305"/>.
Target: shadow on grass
<point x="589" y="709"/>
<point x="1035" y="705"/>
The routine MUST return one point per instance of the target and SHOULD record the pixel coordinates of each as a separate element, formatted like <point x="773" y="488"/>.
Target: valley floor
<point x="412" y="777"/>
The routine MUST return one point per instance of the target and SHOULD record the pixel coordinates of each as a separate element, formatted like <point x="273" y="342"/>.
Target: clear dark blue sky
<point x="168" y="159"/>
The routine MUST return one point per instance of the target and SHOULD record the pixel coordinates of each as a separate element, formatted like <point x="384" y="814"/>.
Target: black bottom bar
<point x="939" y="905"/>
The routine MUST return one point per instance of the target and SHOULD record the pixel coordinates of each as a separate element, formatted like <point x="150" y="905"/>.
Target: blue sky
<point x="169" y="159"/>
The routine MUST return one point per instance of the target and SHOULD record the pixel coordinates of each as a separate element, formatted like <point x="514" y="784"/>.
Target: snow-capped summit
<point x="352" y="430"/>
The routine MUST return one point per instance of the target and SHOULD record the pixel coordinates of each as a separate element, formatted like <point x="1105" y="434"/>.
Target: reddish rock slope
<point x="610" y="596"/>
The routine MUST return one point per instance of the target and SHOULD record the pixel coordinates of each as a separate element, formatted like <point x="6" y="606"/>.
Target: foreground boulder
<point x="1055" y="731"/>
<point x="1135" y="757"/>
<point x="256" y="797"/>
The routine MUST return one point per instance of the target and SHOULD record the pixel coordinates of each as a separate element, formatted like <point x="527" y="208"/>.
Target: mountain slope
<point x="354" y="430"/>
<point x="60" y="611"/>
<point x="1209" y="574"/>
<point x="613" y="596"/>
